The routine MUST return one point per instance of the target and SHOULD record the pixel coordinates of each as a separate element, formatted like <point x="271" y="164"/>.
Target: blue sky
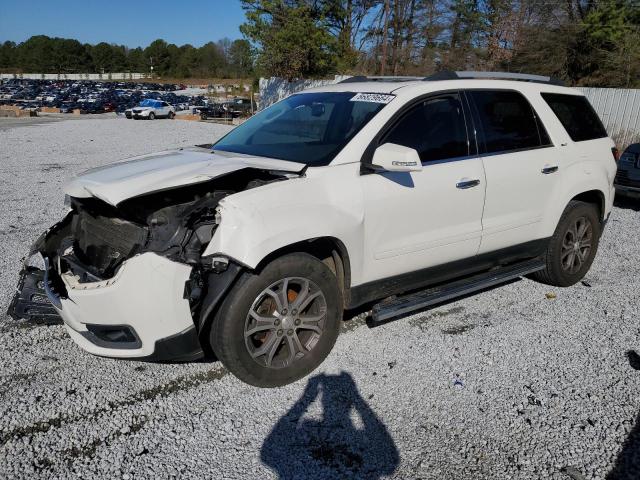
<point x="133" y="23"/>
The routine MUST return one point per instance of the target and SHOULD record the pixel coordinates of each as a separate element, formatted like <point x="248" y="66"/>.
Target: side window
<point x="576" y="115"/>
<point x="435" y="128"/>
<point x="508" y="121"/>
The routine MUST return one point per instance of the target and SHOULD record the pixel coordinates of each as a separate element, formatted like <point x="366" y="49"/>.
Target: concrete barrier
<point x="188" y="117"/>
<point x="14" y="111"/>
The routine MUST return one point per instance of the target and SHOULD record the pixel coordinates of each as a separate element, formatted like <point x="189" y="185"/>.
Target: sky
<point x="132" y="23"/>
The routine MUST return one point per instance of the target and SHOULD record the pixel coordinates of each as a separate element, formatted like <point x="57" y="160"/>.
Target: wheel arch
<point x="595" y="197"/>
<point x="329" y="250"/>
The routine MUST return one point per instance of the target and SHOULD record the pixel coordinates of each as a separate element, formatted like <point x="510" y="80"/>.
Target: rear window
<point x="576" y="115"/>
<point x="508" y="121"/>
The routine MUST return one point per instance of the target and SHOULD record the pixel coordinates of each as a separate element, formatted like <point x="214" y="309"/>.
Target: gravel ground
<point x="522" y="381"/>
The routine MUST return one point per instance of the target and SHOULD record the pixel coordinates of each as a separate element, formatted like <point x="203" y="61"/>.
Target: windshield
<point x="308" y="128"/>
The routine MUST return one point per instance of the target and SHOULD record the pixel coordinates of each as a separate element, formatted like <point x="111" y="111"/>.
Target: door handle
<point x="549" y="169"/>
<point x="464" y="184"/>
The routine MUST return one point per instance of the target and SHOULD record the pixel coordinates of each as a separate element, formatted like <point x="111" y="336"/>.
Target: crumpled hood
<point x="164" y="170"/>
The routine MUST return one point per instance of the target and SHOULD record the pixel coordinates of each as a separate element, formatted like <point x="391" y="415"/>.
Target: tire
<point x="171" y="115"/>
<point x="567" y="265"/>
<point x="203" y="116"/>
<point x="152" y="116"/>
<point x="266" y="358"/>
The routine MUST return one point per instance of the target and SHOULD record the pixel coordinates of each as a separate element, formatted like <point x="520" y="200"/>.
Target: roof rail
<point x="379" y="78"/>
<point x="451" y="75"/>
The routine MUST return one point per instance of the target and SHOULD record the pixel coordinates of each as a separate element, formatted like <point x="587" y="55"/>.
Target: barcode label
<point x="373" y="97"/>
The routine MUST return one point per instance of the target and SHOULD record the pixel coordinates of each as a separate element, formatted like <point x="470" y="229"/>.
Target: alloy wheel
<point x="576" y="245"/>
<point x="285" y="322"/>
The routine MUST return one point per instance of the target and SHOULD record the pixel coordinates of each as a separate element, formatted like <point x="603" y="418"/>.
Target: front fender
<point x="257" y="222"/>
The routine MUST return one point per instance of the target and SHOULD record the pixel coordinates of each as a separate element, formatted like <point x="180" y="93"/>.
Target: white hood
<point x="164" y="170"/>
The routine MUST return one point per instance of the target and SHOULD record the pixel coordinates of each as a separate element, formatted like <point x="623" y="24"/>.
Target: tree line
<point x="42" y="54"/>
<point x="584" y="42"/>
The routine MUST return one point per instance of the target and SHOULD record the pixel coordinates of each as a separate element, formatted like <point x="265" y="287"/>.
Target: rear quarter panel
<point x="583" y="166"/>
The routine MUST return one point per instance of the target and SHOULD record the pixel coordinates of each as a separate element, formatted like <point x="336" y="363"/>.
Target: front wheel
<point x="573" y="246"/>
<point x="279" y="325"/>
<point x="152" y="116"/>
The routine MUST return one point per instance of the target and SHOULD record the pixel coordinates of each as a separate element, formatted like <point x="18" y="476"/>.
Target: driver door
<point x="432" y="217"/>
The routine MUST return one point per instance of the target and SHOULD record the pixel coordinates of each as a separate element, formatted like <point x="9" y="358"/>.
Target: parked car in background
<point x="214" y="110"/>
<point x="110" y="107"/>
<point x="150" y="109"/>
<point x="238" y="107"/>
<point x="627" y="181"/>
<point x="67" y="107"/>
<point x="404" y="193"/>
<point x="243" y="106"/>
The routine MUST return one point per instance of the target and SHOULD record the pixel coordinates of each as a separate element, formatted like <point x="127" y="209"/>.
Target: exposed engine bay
<point x="96" y="238"/>
<point x="176" y="223"/>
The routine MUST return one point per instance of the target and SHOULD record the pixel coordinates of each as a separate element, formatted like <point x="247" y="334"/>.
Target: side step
<point x="382" y="312"/>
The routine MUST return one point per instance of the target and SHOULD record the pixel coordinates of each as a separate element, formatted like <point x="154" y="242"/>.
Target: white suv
<point x="333" y="198"/>
<point x="151" y="109"/>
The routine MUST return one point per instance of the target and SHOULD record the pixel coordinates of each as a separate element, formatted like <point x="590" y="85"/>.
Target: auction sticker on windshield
<point x="372" y="97"/>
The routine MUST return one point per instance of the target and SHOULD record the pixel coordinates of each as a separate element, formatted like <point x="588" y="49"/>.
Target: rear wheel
<point x="573" y="246"/>
<point x="277" y="326"/>
<point x="171" y="115"/>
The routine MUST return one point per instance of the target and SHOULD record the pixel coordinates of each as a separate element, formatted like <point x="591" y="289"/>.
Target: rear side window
<point x="576" y="115"/>
<point x="435" y="128"/>
<point x="508" y="121"/>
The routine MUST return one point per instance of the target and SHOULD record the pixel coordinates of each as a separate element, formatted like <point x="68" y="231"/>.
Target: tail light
<point x="616" y="154"/>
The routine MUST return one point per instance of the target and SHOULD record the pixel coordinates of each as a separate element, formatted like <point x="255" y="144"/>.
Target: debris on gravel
<point x="504" y="384"/>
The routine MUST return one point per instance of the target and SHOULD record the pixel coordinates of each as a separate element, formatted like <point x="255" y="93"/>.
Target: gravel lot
<point x="511" y="383"/>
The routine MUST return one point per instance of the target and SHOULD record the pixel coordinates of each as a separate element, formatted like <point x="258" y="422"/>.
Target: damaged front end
<point x="119" y="276"/>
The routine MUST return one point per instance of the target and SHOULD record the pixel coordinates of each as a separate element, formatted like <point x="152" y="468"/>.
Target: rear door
<point x="431" y="217"/>
<point x="520" y="163"/>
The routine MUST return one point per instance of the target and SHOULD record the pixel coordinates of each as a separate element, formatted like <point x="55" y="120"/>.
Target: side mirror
<point x="396" y="158"/>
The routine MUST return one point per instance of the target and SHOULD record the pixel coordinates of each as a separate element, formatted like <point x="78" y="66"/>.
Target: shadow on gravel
<point x="627" y="466"/>
<point x="333" y="447"/>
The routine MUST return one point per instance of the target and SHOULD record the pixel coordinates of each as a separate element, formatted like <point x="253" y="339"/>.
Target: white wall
<point x="619" y="110"/>
<point x="75" y="76"/>
<point x="274" y="89"/>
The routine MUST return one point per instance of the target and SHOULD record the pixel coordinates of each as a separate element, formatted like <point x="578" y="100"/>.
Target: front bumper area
<point x="140" y="313"/>
<point x="30" y="301"/>
<point x="628" y="190"/>
<point x="627" y="181"/>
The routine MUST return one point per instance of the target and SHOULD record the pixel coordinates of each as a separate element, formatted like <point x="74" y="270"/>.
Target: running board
<point x="382" y="312"/>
